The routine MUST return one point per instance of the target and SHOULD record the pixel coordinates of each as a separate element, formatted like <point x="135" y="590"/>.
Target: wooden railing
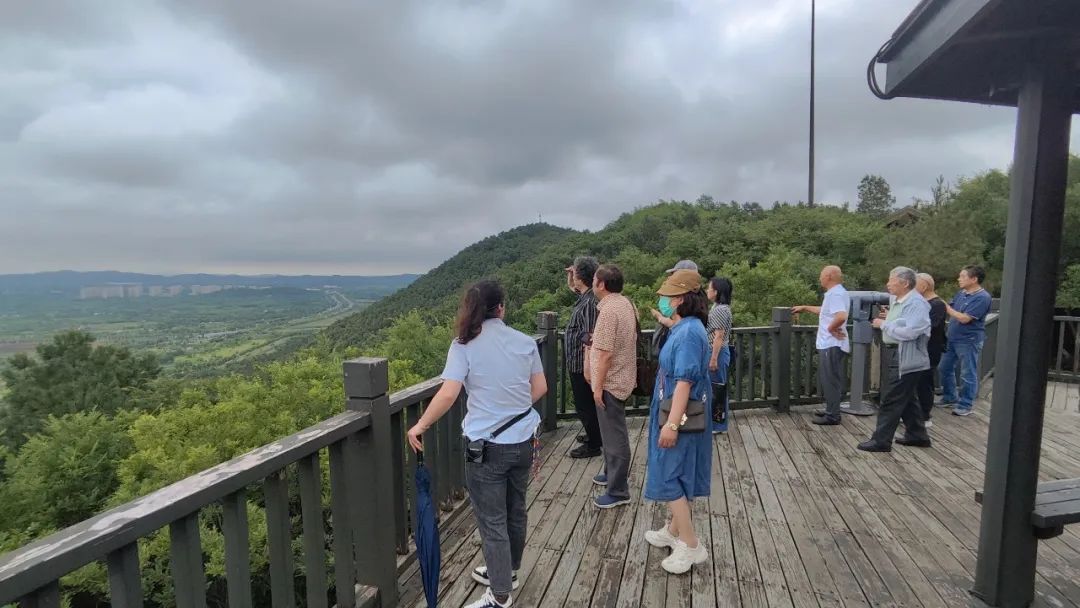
<point x="1065" y="358"/>
<point x="772" y="366"/>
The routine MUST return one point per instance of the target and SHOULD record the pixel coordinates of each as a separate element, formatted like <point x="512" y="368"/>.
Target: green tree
<point x="783" y="278"/>
<point x="875" y="197"/>
<point x="411" y="337"/>
<point x="64" y="474"/>
<point x="1068" y="295"/>
<point x="68" y="375"/>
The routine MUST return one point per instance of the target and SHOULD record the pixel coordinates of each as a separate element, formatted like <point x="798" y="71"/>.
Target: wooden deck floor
<point x="797" y="517"/>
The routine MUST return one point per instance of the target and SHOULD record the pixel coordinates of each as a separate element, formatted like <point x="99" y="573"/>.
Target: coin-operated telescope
<point x="863" y="304"/>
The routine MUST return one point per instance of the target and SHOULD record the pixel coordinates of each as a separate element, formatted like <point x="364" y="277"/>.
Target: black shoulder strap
<point x="513" y="421"/>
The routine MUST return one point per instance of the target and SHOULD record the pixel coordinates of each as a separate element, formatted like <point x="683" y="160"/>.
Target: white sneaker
<point x="683" y="558"/>
<point x="488" y="601"/>
<point x="929" y="424"/>
<point x="480" y="575"/>
<point x="660" y="538"/>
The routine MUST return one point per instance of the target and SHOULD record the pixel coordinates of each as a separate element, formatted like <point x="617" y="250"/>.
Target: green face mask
<point x="665" y="307"/>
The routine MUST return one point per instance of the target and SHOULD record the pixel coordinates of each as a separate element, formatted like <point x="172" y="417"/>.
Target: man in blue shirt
<point x="967" y="332"/>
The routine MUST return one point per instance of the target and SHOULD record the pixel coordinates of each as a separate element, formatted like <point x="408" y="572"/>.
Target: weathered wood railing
<point x="772" y="366"/>
<point x="358" y="442"/>
<point x="1065" y="359"/>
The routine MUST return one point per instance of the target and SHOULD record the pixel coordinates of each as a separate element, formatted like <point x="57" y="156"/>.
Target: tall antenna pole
<point x="813" y="16"/>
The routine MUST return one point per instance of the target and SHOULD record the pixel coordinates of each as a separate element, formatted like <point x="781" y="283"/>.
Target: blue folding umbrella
<point x="427" y="534"/>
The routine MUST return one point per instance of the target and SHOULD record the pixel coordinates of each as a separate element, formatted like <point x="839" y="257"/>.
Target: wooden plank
<point x="797" y="582"/>
<point x="747" y="571"/>
<point x="607" y="584"/>
<point x="310" y="478"/>
<point x="811" y="564"/>
<point x="654" y="588"/>
<point x="632" y="580"/>
<point x="401" y="510"/>
<point x="45" y="597"/>
<point x="186" y="562"/>
<point x="344" y="564"/>
<point x="125" y="579"/>
<point x="576" y="579"/>
<point x="237" y="561"/>
<point x="279" y="540"/>
<point x="703" y="576"/>
<point x="772" y="575"/>
<point x="725" y="578"/>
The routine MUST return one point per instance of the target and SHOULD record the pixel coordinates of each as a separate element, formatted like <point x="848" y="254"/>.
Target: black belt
<point x="890" y="346"/>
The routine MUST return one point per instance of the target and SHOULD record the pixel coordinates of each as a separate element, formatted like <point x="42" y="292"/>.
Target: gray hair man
<point x="832" y="342"/>
<point x="905" y="332"/>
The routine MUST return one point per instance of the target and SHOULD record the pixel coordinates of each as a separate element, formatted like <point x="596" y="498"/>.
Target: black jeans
<point x="497" y="492"/>
<point x="586" y="409"/>
<point x="899" y="402"/>
<point x="926" y="386"/>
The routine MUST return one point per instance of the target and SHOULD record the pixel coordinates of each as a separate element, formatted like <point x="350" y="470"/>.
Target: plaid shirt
<point x="582" y="322"/>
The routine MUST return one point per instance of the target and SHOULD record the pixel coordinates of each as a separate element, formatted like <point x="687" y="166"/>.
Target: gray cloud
<point x="188" y="135"/>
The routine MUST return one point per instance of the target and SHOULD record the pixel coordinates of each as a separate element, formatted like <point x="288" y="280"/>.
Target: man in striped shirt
<point x="579" y="278"/>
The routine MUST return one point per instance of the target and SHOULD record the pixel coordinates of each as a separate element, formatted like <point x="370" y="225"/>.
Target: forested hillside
<point x="772" y="255"/>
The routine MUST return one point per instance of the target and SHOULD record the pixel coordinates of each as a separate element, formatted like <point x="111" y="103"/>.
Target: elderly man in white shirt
<point x="832" y="342"/>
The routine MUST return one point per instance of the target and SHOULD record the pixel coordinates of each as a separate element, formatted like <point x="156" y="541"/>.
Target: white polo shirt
<point x="836" y="300"/>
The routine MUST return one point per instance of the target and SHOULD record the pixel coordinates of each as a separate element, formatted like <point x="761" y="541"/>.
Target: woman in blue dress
<point x="680" y="463"/>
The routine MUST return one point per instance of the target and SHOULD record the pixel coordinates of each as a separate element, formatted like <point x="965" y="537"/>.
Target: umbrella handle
<point x="420" y="457"/>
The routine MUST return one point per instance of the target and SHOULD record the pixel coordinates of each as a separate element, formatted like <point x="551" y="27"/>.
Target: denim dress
<point x="683" y="471"/>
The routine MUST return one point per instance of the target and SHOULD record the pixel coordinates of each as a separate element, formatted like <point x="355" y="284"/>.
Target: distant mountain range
<point x="68" y="281"/>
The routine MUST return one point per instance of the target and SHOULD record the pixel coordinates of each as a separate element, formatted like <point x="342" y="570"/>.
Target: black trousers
<point x="926" y="387"/>
<point x="586" y="409"/>
<point x="900" y="403"/>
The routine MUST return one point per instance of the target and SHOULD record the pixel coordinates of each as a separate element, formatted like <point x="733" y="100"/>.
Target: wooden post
<point x="1005" y="571"/>
<point x="781" y="357"/>
<point x="547" y="324"/>
<point x="367" y="384"/>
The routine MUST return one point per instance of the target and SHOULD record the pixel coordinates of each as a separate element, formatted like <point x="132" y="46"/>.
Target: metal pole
<point x="813" y="17"/>
<point x="1005" y="572"/>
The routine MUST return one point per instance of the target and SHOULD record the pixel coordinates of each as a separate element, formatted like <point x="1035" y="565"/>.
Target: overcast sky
<point x="273" y="136"/>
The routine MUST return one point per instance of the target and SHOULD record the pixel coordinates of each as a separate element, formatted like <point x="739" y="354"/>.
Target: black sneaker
<point x="480" y="575"/>
<point x="584" y="451"/>
<point x="873" y="446"/>
<point x="822" y="420"/>
<point x="914" y="443"/>
<point x="582" y="438"/>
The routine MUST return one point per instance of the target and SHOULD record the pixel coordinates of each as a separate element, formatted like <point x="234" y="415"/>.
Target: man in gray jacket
<point x="904" y="334"/>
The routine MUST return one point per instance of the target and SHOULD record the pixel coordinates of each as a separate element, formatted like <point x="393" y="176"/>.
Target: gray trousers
<point x="612" y="420"/>
<point x="497" y="492"/>
<point x="832" y="379"/>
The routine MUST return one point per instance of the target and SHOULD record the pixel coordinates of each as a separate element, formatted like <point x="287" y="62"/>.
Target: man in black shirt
<point x="579" y="278"/>
<point x="936" y="346"/>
